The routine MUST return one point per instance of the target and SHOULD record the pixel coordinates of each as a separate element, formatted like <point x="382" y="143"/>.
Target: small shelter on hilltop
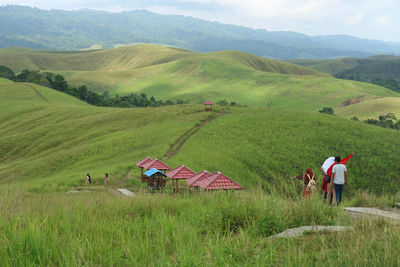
<point x="219" y="181"/>
<point x="179" y="173"/>
<point x="208" y="105"/>
<point x="193" y="181"/>
<point x="141" y="163"/>
<point x="156" y="164"/>
<point x="156" y="180"/>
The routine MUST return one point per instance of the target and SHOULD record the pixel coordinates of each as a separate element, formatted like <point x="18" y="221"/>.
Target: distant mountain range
<point x="73" y="30"/>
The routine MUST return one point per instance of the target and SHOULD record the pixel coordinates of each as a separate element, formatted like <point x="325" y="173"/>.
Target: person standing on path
<point x="106" y="179"/>
<point x="88" y="179"/>
<point x="339" y="179"/>
<point x="308" y="190"/>
<point x="327" y="187"/>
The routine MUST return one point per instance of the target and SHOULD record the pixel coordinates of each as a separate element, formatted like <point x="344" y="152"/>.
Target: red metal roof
<point x="143" y="162"/>
<point x="208" y="102"/>
<point x="193" y="181"/>
<point x="181" y="172"/>
<point x="218" y="181"/>
<point x="157" y="164"/>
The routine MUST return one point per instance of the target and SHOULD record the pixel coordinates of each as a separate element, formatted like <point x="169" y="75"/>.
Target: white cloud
<point x="354" y="19"/>
<point x="382" y="21"/>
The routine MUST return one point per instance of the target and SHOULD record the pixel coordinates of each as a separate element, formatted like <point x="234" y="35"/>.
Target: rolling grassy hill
<point x="172" y="73"/>
<point x="381" y="70"/>
<point x="371" y="65"/>
<point x="49" y="141"/>
<point x="52" y="138"/>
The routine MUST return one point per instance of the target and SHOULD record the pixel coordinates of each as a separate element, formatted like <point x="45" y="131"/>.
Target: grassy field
<point x="46" y="135"/>
<point x="49" y="141"/>
<point x="100" y="229"/>
<point x="173" y="73"/>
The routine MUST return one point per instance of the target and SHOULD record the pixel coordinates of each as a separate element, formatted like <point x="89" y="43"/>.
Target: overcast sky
<point x="372" y="19"/>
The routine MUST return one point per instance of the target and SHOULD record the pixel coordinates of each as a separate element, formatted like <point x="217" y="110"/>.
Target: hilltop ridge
<point x="178" y="74"/>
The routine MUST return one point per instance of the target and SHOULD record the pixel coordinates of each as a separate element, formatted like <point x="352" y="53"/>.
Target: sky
<point x="370" y="19"/>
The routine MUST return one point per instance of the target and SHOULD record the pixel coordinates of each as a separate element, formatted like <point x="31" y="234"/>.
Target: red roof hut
<point x="208" y="104"/>
<point x="156" y="164"/>
<point x="218" y="181"/>
<point x="179" y="173"/>
<point x="143" y="162"/>
<point x="193" y="181"/>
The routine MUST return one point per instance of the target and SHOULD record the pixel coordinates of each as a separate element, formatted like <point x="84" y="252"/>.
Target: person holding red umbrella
<point x="327" y="186"/>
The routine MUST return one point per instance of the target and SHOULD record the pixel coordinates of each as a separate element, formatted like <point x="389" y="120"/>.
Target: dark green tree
<point x="7" y="73"/>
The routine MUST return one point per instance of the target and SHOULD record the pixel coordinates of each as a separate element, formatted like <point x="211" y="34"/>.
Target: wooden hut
<point x="179" y="173"/>
<point x="142" y="162"/>
<point x="192" y="182"/>
<point x="156" y="164"/>
<point x="208" y="105"/>
<point x="219" y="181"/>
<point x="156" y="180"/>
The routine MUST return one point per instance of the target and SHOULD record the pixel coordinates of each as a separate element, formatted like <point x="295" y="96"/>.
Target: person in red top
<point x="327" y="179"/>
<point x="309" y="175"/>
<point x="106" y="179"/>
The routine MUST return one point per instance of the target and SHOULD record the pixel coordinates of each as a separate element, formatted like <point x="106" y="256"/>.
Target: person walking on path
<point x="106" y="179"/>
<point x="88" y="179"/>
<point x="339" y="179"/>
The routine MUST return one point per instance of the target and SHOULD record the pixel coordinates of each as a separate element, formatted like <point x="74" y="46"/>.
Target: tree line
<point x="385" y="121"/>
<point x="58" y="82"/>
<point x="391" y="84"/>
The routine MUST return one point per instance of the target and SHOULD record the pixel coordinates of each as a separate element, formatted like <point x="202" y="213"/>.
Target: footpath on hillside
<point x="177" y="145"/>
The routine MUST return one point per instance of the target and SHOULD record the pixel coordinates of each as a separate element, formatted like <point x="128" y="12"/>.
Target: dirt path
<point x="175" y="147"/>
<point x="37" y="93"/>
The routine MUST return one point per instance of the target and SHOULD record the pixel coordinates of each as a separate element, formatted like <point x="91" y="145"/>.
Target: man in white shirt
<point x="339" y="179"/>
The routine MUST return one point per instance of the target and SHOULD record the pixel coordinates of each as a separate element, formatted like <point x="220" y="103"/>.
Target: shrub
<point x="326" y="110"/>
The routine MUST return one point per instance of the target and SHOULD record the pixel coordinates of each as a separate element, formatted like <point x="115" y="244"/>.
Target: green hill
<point x="49" y="141"/>
<point x="329" y="66"/>
<point x="382" y="70"/>
<point x="53" y="143"/>
<point x="172" y="73"/>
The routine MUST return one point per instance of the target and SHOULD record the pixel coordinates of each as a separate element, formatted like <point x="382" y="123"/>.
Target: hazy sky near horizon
<point x="370" y="19"/>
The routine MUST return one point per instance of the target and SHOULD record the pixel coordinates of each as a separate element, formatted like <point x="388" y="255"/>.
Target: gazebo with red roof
<point x="219" y="181"/>
<point x="156" y="164"/>
<point x="193" y="181"/>
<point x="208" y="104"/>
<point x="179" y="173"/>
<point x="141" y="163"/>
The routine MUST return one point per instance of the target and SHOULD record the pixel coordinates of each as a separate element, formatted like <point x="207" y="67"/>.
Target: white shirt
<point x="328" y="162"/>
<point x="339" y="170"/>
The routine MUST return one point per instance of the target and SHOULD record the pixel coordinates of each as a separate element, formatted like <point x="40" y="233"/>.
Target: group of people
<point x="89" y="179"/>
<point x="335" y="178"/>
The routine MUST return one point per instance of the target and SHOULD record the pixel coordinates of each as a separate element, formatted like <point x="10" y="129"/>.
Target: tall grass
<point x="103" y="229"/>
<point x="98" y="228"/>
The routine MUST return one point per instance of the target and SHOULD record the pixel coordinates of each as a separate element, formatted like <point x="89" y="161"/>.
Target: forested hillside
<point x="382" y="70"/>
<point x="71" y="30"/>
